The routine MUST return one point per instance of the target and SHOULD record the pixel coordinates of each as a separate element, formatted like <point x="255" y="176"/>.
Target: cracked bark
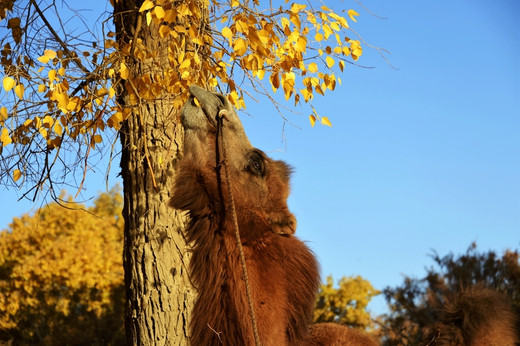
<point x="159" y="294"/>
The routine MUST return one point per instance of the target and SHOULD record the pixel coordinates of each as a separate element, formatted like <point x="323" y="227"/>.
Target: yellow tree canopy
<point x="345" y="304"/>
<point x="59" y="95"/>
<point x="61" y="274"/>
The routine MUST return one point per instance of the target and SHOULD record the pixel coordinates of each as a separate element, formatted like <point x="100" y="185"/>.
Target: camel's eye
<point x="256" y="163"/>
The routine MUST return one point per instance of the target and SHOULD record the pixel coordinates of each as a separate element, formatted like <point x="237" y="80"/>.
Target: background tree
<point x="414" y="306"/>
<point x="345" y="304"/>
<point x="73" y="85"/>
<point x="61" y="275"/>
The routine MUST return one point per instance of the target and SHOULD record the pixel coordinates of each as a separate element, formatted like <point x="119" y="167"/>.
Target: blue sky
<point x="420" y="158"/>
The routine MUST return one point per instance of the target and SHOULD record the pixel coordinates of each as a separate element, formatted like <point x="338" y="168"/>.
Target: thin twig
<point x="57" y="37"/>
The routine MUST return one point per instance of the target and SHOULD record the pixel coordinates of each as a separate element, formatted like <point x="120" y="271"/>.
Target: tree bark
<point x="159" y="294"/>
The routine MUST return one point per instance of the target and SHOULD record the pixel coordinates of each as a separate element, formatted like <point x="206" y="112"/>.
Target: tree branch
<point x="57" y="37"/>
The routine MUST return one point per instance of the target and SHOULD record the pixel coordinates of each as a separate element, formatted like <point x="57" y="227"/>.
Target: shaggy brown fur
<point x="330" y="334"/>
<point x="283" y="273"/>
<point x="477" y="316"/>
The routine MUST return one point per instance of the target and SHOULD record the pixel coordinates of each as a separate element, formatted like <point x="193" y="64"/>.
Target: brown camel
<point x="222" y="176"/>
<point x="283" y="274"/>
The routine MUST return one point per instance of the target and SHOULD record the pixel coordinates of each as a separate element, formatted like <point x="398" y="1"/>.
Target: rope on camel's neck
<point x="220" y="122"/>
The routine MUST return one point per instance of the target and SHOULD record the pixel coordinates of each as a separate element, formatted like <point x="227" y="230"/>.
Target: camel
<point x="227" y="186"/>
<point x="283" y="274"/>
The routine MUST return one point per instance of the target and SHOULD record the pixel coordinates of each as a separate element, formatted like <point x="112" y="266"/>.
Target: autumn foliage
<point x="345" y="304"/>
<point x="75" y="83"/>
<point x="60" y="92"/>
<point x="61" y="274"/>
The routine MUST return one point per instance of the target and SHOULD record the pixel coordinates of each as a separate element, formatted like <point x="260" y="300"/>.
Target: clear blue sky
<point x="424" y="157"/>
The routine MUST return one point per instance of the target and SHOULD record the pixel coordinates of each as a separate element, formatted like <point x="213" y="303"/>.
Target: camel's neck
<point x="216" y="273"/>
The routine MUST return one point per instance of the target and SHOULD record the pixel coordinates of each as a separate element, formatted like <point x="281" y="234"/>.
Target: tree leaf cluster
<point x="61" y="274"/>
<point x="59" y="83"/>
<point x="345" y="304"/>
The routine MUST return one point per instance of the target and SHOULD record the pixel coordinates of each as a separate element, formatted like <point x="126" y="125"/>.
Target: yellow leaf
<point x="63" y="101"/>
<point x="97" y="139"/>
<point x="41" y="88"/>
<point x="275" y="80"/>
<point x="288" y="84"/>
<point x="48" y="121"/>
<point x="312" y="119"/>
<point x="58" y="129"/>
<point x="318" y="37"/>
<point x="327" y="31"/>
<point x="43" y="131"/>
<point x="37" y="122"/>
<point x="295" y="19"/>
<point x="61" y="71"/>
<point x="4" y="137"/>
<point x="148" y="18"/>
<point x="111" y="92"/>
<point x="19" y="90"/>
<point x="159" y="12"/>
<point x="341" y="65"/>
<point x="313" y="67"/>
<point x="352" y="14"/>
<point x="48" y="54"/>
<point x="213" y="82"/>
<point x="260" y="74"/>
<point x="52" y="75"/>
<point x="164" y="31"/>
<point x="325" y="121"/>
<point x="307" y="95"/>
<point x="235" y="3"/>
<point x="227" y="33"/>
<point x="147" y="4"/>
<point x="9" y="83"/>
<point x="301" y="44"/>
<point x="329" y="61"/>
<point x="3" y="114"/>
<point x="319" y="90"/>
<point x="240" y="46"/>
<point x="73" y="104"/>
<point x="185" y="64"/>
<point x="335" y="26"/>
<point x="285" y="22"/>
<point x="295" y="8"/>
<point x="17" y="174"/>
<point x="43" y="59"/>
<point x="124" y="72"/>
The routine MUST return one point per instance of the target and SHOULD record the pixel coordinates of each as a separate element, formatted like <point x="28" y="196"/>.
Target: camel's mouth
<point x="202" y="109"/>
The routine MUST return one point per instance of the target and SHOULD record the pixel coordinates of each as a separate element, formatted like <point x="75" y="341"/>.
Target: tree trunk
<point x="159" y="294"/>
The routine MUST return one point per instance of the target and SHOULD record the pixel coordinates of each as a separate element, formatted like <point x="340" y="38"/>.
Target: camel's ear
<point x="282" y="222"/>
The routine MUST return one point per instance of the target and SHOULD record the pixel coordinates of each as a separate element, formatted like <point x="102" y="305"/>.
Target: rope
<point x="220" y="117"/>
